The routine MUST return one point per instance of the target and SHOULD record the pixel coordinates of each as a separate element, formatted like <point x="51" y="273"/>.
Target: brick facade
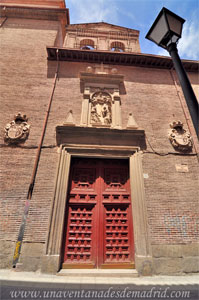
<point x="154" y="100"/>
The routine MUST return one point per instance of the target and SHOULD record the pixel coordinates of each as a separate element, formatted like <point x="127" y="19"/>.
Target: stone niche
<point x="101" y="103"/>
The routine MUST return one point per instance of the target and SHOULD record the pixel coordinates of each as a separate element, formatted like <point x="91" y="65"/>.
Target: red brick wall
<point x="172" y="197"/>
<point x="151" y="96"/>
<point x="24" y="88"/>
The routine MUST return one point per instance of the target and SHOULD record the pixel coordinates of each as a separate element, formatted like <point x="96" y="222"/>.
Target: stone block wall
<point x="175" y="259"/>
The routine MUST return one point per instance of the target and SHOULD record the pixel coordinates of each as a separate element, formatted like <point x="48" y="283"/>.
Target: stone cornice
<point x="101" y="30"/>
<point x="28" y="12"/>
<point x="119" y="58"/>
<point x="34" y="3"/>
<point x="98" y="78"/>
<point x="100" y="136"/>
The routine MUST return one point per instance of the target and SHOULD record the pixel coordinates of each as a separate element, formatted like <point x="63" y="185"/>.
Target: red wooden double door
<point x="98" y="231"/>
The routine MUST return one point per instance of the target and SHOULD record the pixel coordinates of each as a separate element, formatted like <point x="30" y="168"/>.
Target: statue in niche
<point x="101" y="112"/>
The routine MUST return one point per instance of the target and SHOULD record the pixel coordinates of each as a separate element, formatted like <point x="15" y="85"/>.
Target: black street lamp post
<point x="165" y="32"/>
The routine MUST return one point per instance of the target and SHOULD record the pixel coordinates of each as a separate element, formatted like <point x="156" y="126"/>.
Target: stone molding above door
<point x="78" y="135"/>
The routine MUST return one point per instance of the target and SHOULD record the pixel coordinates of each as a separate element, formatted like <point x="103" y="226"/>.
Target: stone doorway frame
<point x="51" y="261"/>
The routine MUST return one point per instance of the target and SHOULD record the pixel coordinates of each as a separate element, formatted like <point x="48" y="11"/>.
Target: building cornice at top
<point x="101" y="33"/>
<point x="35" y="3"/>
<point x="102" y="29"/>
<point x="35" y="12"/>
<point x="118" y="58"/>
<point x="51" y="10"/>
<point x="99" y="25"/>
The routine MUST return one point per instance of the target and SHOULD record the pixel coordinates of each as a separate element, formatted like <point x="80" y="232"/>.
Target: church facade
<point x="100" y="157"/>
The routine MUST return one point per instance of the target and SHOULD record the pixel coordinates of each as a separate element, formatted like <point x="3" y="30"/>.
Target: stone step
<point x="127" y="273"/>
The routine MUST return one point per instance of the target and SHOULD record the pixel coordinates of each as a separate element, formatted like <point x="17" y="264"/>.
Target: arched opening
<point x="117" y="46"/>
<point x="87" y="44"/>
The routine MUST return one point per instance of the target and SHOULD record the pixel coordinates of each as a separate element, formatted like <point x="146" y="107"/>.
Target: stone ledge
<point x="50" y="264"/>
<point x="144" y="265"/>
<point x="190" y="250"/>
<point x="175" y="250"/>
<point x="167" y="251"/>
<point x="175" y="266"/>
<point x="190" y="264"/>
<point x="100" y="136"/>
<point x="167" y="266"/>
<point x="32" y="249"/>
<point x="7" y="253"/>
<point x="29" y="264"/>
<point x="99" y="273"/>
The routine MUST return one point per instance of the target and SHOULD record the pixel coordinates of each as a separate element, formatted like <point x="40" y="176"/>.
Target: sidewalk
<point x="117" y="278"/>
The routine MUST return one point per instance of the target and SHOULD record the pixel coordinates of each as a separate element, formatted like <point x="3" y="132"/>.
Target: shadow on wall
<point x="72" y="70"/>
<point x="68" y="69"/>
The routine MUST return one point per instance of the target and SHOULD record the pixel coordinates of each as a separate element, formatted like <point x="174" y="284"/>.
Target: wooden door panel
<point x="80" y="248"/>
<point x="83" y="179"/>
<point x="99" y="227"/>
<point x="117" y="235"/>
<point x="115" y="186"/>
<point x="115" y="179"/>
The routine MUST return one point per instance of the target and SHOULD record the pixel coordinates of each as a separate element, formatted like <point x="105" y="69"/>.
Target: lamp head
<point x="166" y="29"/>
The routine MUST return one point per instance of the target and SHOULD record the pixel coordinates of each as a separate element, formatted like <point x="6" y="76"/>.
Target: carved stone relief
<point x="101" y="108"/>
<point x="101" y="105"/>
<point x="179" y="137"/>
<point x="17" y="130"/>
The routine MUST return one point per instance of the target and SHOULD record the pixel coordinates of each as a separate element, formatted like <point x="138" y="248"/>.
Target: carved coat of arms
<point x="179" y="137"/>
<point x="17" y="130"/>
